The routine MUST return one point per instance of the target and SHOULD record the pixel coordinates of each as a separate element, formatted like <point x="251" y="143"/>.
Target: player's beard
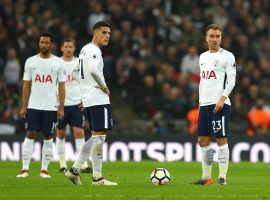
<point x="44" y="51"/>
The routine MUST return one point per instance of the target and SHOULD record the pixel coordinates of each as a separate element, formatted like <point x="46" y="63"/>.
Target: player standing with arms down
<point x="95" y="98"/>
<point x="42" y="73"/>
<point x="73" y="116"/>
<point x="218" y="75"/>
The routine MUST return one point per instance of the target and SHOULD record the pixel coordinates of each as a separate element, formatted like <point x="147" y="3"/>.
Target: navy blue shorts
<point x="100" y="117"/>
<point x="73" y="116"/>
<point x="214" y="125"/>
<point x="41" y="120"/>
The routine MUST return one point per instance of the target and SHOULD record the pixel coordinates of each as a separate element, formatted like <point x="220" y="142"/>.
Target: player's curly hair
<point x="46" y="34"/>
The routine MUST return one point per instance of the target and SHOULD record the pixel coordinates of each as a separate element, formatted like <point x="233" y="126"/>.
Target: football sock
<point x="223" y="160"/>
<point x="60" y="145"/>
<point x="47" y="154"/>
<point x="97" y="156"/>
<point x="84" y="154"/>
<point x="79" y="142"/>
<point x="207" y="159"/>
<point x="28" y="147"/>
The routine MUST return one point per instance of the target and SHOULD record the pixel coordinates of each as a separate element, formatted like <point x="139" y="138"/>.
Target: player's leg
<point x="73" y="173"/>
<point x="79" y="142"/>
<point x="223" y="159"/>
<point x="48" y="129"/>
<point x="100" y="119"/>
<point x="60" y="146"/>
<point x="102" y="122"/>
<point x="32" y="125"/>
<point x="77" y="123"/>
<point x="222" y="126"/>
<point x="60" y="140"/>
<point x="205" y="133"/>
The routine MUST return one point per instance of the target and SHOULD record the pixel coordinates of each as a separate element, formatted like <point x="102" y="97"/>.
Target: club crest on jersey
<point x="215" y="63"/>
<point x="94" y="56"/>
<point x="234" y="66"/>
<point x="52" y="68"/>
<point x="43" y="78"/>
<point x="209" y="74"/>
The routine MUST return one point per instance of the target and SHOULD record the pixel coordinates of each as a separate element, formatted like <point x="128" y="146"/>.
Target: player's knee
<point x="204" y="142"/>
<point x="221" y="141"/>
<point x="61" y="133"/>
<point x="79" y="134"/>
<point x="31" y="134"/>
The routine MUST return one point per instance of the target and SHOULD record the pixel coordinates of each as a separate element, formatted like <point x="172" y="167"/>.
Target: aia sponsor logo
<point x="43" y="78"/>
<point x="209" y="74"/>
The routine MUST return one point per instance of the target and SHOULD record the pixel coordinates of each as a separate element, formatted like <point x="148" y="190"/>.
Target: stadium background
<point x="151" y="66"/>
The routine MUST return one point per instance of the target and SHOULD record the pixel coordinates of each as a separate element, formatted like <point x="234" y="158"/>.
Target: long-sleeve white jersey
<point x="91" y="62"/>
<point x="44" y="75"/>
<point x="73" y="94"/>
<point x="216" y="69"/>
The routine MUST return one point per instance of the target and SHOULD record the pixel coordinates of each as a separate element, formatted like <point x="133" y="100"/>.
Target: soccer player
<point x="218" y="74"/>
<point x="42" y="73"/>
<point x="95" y="99"/>
<point x="73" y="116"/>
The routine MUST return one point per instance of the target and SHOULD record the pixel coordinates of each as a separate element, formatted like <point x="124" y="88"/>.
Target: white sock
<point x="79" y="142"/>
<point x="84" y="154"/>
<point x="28" y="147"/>
<point x="207" y="159"/>
<point x="47" y="154"/>
<point x="97" y="156"/>
<point x="223" y="160"/>
<point x="60" y="146"/>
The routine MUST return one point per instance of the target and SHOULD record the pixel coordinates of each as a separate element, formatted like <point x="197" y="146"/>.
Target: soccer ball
<point x="160" y="176"/>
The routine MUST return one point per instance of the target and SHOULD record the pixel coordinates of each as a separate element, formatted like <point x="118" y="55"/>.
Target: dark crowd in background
<point x="151" y="63"/>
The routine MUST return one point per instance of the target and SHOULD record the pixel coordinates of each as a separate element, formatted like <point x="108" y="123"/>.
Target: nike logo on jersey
<point x="43" y="78"/>
<point x="202" y="64"/>
<point x="209" y="74"/>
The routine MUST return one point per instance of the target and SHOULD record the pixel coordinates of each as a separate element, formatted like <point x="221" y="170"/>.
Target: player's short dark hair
<point x="46" y="34"/>
<point x="212" y="26"/>
<point x="100" y="24"/>
<point x="68" y="40"/>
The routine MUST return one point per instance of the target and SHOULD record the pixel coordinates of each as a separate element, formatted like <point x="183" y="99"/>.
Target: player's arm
<point x="200" y="85"/>
<point x="230" y="68"/>
<point x="26" y="89"/>
<point x="200" y="93"/>
<point x="61" y="93"/>
<point x="93" y="69"/>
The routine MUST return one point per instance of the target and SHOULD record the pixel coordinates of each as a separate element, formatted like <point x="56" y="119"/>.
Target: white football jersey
<point x="214" y="67"/>
<point x="73" y="94"/>
<point x="44" y="75"/>
<point x="90" y="59"/>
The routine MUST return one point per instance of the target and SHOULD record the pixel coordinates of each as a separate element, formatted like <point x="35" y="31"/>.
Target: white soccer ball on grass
<point x="160" y="176"/>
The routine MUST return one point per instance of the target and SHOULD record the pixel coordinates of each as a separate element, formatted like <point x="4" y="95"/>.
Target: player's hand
<point x="23" y="112"/>
<point x="104" y="89"/>
<point x="81" y="107"/>
<point x="219" y="105"/>
<point x="60" y="113"/>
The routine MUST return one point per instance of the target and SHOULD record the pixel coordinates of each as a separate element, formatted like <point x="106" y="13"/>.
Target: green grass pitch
<point x="245" y="181"/>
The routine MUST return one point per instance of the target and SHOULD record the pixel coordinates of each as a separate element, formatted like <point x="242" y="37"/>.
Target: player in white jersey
<point x="73" y="115"/>
<point x="218" y="74"/>
<point x="95" y="98"/>
<point x="42" y="73"/>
